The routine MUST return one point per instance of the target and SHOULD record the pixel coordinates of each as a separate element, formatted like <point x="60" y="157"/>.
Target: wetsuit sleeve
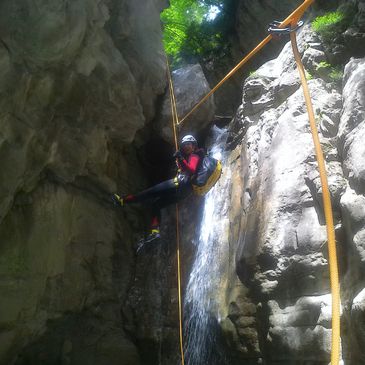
<point x="192" y="165"/>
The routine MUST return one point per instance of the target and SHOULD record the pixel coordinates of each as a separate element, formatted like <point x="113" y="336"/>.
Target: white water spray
<point x="206" y="285"/>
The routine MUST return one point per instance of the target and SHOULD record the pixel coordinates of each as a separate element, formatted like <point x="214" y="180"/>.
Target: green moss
<point x="308" y="75"/>
<point x="329" y="25"/>
<point x="336" y="74"/>
<point x="323" y="64"/>
<point x="329" y="72"/>
<point x="322" y="23"/>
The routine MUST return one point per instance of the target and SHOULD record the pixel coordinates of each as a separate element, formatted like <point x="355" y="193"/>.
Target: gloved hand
<point x="178" y="155"/>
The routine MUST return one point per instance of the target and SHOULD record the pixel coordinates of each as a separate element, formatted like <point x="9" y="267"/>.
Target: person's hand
<point x="178" y="155"/>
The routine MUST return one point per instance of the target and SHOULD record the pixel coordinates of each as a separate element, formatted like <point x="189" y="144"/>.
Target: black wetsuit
<point x="170" y="191"/>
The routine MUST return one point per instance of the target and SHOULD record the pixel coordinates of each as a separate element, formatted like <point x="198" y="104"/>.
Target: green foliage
<point x="336" y="74"/>
<point x="308" y="75"/>
<point x="177" y="19"/>
<point x="329" y="24"/>
<point x="323" y="64"/>
<point x="333" y="73"/>
<point x="190" y="31"/>
<point x="321" y="23"/>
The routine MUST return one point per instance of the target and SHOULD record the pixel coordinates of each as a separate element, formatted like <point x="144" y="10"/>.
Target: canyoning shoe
<point x="117" y="200"/>
<point x="155" y="235"/>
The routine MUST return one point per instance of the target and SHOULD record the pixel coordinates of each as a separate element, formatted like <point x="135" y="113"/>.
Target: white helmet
<point x="188" y="138"/>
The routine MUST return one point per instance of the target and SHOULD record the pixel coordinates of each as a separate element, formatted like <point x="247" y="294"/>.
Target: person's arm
<point x="192" y="165"/>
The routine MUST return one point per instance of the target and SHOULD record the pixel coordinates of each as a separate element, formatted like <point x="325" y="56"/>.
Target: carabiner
<point x="275" y="30"/>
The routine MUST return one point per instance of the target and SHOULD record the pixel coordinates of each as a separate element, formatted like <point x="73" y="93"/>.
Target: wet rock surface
<point x="281" y="252"/>
<point x="76" y="86"/>
<point x="350" y="132"/>
<point x="190" y="86"/>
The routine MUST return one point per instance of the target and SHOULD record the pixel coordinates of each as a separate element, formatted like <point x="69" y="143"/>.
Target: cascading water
<point x="206" y="282"/>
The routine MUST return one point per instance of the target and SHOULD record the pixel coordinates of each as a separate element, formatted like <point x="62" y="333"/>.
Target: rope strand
<point x="327" y="206"/>
<point x="293" y="17"/>
<point x="175" y="121"/>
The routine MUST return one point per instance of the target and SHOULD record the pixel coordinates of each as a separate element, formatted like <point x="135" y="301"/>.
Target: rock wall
<point x="351" y="147"/>
<point x="190" y="86"/>
<point x="78" y="80"/>
<point x="279" y="304"/>
<point x="80" y="84"/>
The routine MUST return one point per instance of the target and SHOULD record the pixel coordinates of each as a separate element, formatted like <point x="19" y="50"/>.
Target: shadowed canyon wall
<point x="78" y="80"/>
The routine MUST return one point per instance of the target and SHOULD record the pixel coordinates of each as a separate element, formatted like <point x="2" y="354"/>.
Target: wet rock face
<point x="77" y="81"/>
<point x="281" y="239"/>
<point x="71" y="86"/>
<point x="351" y="130"/>
<point x="253" y="19"/>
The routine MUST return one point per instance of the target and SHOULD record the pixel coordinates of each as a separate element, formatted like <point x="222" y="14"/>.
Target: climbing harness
<point x="288" y="26"/>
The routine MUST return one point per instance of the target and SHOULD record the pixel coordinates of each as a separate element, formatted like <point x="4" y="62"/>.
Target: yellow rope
<point x="335" y="353"/>
<point x="175" y="121"/>
<point x="179" y="285"/>
<point x="230" y="73"/>
<point x="175" y="118"/>
<point x="295" y="15"/>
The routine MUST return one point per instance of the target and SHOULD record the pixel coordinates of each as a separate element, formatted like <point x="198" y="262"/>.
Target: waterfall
<point x="206" y="282"/>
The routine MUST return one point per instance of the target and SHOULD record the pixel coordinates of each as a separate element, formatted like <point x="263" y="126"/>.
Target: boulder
<point x="300" y="331"/>
<point x="190" y="85"/>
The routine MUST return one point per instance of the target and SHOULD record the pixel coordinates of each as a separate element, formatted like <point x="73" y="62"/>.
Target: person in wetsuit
<point x="170" y="191"/>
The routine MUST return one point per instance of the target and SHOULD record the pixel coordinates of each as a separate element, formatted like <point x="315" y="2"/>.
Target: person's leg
<point x="166" y="198"/>
<point x="161" y="189"/>
<point x="167" y="186"/>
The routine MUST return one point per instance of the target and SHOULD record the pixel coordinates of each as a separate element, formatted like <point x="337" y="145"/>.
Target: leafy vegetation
<point x="336" y="74"/>
<point x="333" y="73"/>
<point x="329" y="24"/>
<point x="196" y="29"/>
<point x="308" y="75"/>
<point x="252" y="73"/>
<point x="322" y="65"/>
<point x="322" y="23"/>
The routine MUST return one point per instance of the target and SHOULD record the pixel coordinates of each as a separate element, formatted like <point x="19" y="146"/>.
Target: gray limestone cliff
<point x="282" y="313"/>
<point x="81" y="86"/>
<point x="78" y="80"/>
